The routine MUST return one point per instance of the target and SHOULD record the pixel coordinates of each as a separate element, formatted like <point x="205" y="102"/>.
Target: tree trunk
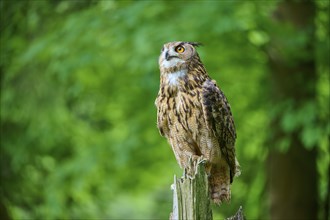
<point x="292" y="173"/>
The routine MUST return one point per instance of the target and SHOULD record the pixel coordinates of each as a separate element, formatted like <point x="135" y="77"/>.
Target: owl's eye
<point x="179" y="49"/>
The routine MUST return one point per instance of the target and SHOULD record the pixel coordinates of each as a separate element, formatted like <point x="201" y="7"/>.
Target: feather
<point x="219" y="120"/>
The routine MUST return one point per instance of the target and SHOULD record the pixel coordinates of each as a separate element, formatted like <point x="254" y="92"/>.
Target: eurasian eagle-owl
<point x="195" y="117"/>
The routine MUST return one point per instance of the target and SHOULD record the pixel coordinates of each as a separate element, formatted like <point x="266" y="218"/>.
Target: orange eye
<point x="179" y="49"/>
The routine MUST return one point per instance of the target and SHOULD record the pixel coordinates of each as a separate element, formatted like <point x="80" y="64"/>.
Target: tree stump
<point x="191" y="198"/>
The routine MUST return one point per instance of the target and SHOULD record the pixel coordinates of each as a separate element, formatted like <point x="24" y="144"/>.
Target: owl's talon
<point x="190" y="173"/>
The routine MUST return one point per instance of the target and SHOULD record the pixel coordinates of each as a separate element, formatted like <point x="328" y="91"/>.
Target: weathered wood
<point x="191" y="198"/>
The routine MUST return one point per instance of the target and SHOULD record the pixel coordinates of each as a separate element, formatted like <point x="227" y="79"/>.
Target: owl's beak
<point x="167" y="56"/>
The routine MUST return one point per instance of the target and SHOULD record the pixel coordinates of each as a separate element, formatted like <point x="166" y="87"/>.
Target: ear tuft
<point x="195" y="44"/>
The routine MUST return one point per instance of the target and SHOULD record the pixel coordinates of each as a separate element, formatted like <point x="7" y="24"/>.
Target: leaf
<point x="310" y="136"/>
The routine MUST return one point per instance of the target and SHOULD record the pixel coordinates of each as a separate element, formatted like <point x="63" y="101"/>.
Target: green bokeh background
<point x="78" y="122"/>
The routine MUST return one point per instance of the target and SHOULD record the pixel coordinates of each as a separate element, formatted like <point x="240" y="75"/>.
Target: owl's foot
<point x="221" y="197"/>
<point x="193" y="162"/>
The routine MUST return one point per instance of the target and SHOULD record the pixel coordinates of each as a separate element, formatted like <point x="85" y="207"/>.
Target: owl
<point x="195" y="117"/>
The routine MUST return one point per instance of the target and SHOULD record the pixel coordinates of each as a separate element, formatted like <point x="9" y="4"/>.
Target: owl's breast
<point x="186" y="116"/>
<point x="181" y="119"/>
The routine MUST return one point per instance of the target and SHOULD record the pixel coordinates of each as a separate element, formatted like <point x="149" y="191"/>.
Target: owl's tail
<point x="219" y="181"/>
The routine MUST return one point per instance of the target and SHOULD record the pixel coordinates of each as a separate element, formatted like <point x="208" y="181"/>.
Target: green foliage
<point x="78" y="122"/>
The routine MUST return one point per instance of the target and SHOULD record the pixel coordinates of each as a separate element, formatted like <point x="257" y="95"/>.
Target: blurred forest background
<point x="78" y="121"/>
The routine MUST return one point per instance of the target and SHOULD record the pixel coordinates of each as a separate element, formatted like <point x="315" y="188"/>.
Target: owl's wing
<point x="220" y="121"/>
<point x="161" y="119"/>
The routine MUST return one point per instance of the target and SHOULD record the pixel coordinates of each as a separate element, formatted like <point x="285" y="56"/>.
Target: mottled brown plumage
<point x="195" y="117"/>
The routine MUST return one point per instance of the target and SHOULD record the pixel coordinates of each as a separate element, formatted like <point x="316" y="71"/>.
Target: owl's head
<point x="177" y="53"/>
